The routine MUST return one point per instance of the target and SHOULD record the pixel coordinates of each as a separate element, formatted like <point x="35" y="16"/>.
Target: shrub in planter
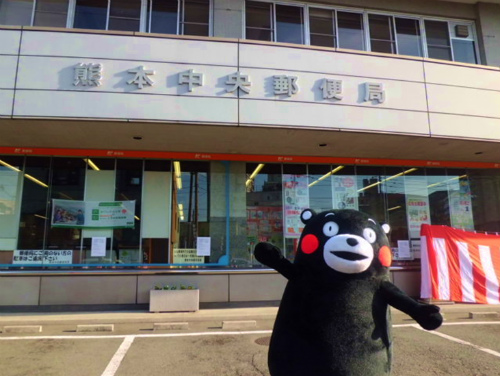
<point x="173" y="299"/>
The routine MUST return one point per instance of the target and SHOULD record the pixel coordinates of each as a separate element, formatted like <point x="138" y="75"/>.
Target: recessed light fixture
<point x="137" y="137"/>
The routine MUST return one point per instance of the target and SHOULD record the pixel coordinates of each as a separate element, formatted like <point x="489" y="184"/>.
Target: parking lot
<point x="460" y="347"/>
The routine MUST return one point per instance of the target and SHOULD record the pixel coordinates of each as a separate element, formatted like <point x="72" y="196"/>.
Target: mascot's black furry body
<point x="334" y="319"/>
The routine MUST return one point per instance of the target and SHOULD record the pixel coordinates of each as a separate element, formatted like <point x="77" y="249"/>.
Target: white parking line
<point x="457" y="340"/>
<point x="116" y="360"/>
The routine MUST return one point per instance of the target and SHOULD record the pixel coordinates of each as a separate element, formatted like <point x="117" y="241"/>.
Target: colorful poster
<point x="42" y="257"/>
<point x="417" y="204"/>
<point x="264" y="223"/>
<point x="296" y="195"/>
<point x="461" y="205"/>
<point x="345" y="192"/>
<point x="93" y="214"/>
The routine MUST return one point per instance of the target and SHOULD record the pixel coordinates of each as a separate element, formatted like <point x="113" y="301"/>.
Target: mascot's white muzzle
<point x="348" y="253"/>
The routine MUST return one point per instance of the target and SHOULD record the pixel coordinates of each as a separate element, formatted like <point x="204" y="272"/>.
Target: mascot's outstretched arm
<point x="427" y="315"/>
<point x="271" y="256"/>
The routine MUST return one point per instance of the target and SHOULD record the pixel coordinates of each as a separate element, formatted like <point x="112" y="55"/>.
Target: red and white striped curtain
<point x="458" y="265"/>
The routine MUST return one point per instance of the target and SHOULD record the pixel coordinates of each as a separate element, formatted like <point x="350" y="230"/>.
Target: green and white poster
<point x="93" y="214"/>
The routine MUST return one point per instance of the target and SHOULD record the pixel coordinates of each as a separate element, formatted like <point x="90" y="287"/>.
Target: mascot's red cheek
<point x="385" y="256"/>
<point x="309" y="244"/>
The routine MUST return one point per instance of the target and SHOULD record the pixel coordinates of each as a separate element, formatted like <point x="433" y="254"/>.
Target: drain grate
<point x="264" y="341"/>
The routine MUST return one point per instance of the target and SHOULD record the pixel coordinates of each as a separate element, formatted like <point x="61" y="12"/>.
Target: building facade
<point x="150" y="142"/>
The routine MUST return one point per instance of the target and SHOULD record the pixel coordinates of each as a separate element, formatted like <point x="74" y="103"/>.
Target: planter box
<point x="174" y="300"/>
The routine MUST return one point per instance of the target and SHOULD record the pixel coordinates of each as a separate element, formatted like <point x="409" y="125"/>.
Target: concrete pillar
<point x="228" y="18"/>
<point x="488" y="30"/>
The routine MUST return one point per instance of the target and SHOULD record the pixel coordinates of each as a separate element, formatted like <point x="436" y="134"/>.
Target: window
<point x="322" y="27"/>
<point x="275" y="22"/>
<point x="163" y="16"/>
<point x="259" y="21"/>
<point x="438" y="40"/>
<point x="90" y="14"/>
<point x="124" y="15"/>
<point x="462" y="41"/>
<point x="51" y="13"/>
<point x="351" y="30"/>
<point x="37" y="13"/>
<point x="382" y="33"/>
<point x="185" y="17"/>
<point x="357" y="30"/>
<point x="16" y="12"/>
<point x="408" y="37"/>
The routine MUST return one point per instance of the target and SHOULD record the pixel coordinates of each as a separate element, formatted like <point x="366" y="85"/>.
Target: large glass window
<point x="259" y="21"/>
<point x="322" y="27"/>
<point x="438" y="40"/>
<point x="289" y="24"/>
<point x="51" y="13"/>
<point x="124" y="15"/>
<point x="195" y="17"/>
<point x="67" y="183"/>
<point x="163" y="16"/>
<point x="408" y="37"/>
<point x="16" y="12"/>
<point x="90" y="14"/>
<point x="34" y="208"/>
<point x="381" y="33"/>
<point x="204" y="214"/>
<point x="351" y="31"/>
<point x="264" y="204"/>
<point x="274" y="22"/>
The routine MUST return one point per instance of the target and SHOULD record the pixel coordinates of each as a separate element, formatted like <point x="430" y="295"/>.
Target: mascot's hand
<point x="268" y="254"/>
<point x="428" y="316"/>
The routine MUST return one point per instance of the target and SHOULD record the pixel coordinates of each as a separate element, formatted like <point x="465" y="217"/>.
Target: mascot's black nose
<point x="352" y="242"/>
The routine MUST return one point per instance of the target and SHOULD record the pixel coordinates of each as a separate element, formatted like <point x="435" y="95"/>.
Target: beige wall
<point x="134" y="289"/>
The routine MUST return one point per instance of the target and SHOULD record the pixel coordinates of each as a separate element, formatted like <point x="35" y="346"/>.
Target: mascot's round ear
<point x="307" y="215"/>
<point x="385" y="227"/>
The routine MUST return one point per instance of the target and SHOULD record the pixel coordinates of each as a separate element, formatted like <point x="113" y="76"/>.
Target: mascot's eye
<point x="369" y="235"/>
<point x="330" y="229"/>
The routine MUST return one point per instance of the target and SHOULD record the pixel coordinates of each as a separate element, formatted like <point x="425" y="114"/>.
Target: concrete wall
<point x="46" y="290"/>
<point x="488" y="28"/>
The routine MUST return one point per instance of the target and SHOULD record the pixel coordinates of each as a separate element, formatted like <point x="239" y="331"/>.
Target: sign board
<point x="93" y="214"/>
<point x="187" y="256"/>
<point x="42" y="257"/>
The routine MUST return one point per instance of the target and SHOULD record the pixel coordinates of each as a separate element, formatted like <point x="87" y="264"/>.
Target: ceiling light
<point x="178" y="173"/>
<point x="9" y="166"/>
<point x="326" y="175"/>
<point x="92" y="165"/>
<point x="387" y="179"/>
<point x="36" y="180"/>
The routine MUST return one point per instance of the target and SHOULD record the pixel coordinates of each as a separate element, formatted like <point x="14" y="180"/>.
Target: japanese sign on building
<point x="93" y="214"/>
<point x="91" y="74"/>
<point x="187" y="256"/>
<point x="42" y="257"/>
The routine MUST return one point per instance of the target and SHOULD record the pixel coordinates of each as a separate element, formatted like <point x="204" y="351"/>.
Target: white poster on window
<point x="296" y="195"/>
<point x="203" y="246"/>
<point x="461" y="205"/>
<point x="98" y="247"/>
<point x="417" y="204"/>
<point x="345" y="192"/>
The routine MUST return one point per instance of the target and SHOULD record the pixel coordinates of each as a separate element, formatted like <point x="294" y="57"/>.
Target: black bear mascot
<point x="334" y="317"/>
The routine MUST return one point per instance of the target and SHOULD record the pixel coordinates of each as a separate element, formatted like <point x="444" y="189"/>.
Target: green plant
<point x="174" y="287"/>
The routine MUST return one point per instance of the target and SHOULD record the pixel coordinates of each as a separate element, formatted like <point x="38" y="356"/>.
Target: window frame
<point x="366" y="31"/>
<point x="274" y="32"/>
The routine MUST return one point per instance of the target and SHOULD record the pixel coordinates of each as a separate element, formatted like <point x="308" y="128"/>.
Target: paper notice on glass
<point x="404" y="249"/>
<point x="98" y="248"/>
<point x="203" y="246"/>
